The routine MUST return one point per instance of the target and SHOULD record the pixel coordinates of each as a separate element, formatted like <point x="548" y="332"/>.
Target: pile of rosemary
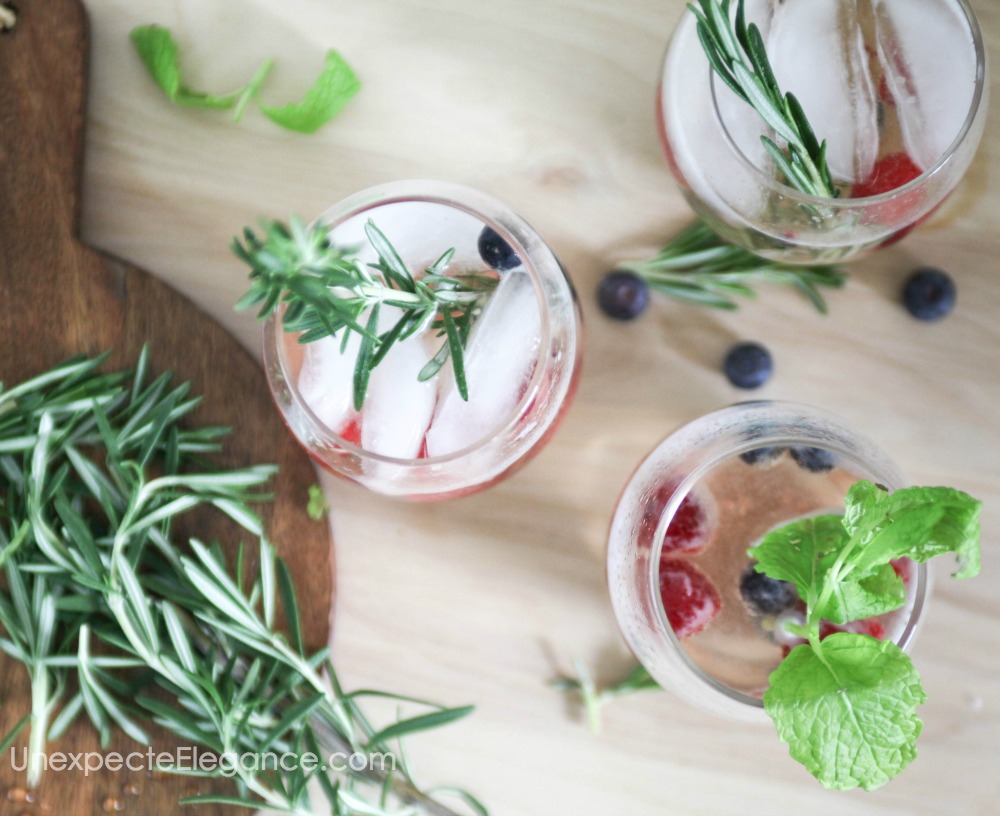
<point x="116" y="621"/>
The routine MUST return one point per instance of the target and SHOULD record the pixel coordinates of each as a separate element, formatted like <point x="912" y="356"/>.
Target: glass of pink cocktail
<point x="897" y="89"/>
<point x="416" y="436"/>
<point x="698" y="617"/>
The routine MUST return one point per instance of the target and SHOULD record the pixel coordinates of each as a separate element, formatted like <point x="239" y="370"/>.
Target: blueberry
<point x="929" y="294"/>
<point x="762" y="456"/>
<point x="496" y="252"/>
<point x="748" y="365"/>
<point x="765" y="595"/>
<point x="815" y="460"/>
<point x="623" y="295"/>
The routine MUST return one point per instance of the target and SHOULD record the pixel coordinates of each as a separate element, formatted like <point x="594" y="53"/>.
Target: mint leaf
<point x="333" y="89"/>
<point x="865" y="596"/>
<point x="915" y="522"/>
<point x="848" y="711"/>
<point x="159" y="52"/>
<point x="801" y="552"/>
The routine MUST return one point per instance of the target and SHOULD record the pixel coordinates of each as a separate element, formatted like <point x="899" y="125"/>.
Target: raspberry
<point x="690" y="600"/>
<point x="901" y="566"/>
<point x="351" y="432"/>
<point x="875" y="629"/>
<point x="689" y="529"/>
<point x="889" y="173"/>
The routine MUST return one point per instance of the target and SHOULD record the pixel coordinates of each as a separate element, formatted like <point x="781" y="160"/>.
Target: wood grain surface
<point x="548" y="104"/>
<point x="60" y="298"/>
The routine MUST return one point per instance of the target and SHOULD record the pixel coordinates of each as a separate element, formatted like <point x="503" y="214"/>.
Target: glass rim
<point x="475" y="203"/>
<point x="921" y="572"/>
<point x="775" y="185"/>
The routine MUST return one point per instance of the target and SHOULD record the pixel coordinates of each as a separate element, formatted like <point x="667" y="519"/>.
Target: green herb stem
<point x="697" y="266"/>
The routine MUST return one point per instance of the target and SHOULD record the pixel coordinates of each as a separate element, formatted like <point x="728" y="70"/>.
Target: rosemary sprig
<point x="698" y="266"/>
<point x="94" y="468"/>
<point x="595" y="698"/>
<point x="737" y="54"/>
<point x="325" y="290"/>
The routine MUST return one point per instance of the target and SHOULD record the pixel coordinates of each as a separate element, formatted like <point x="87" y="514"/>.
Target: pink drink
<point x="679" y="541"/>
<point x="897" y="88"/>
<point x="733" y="506"/>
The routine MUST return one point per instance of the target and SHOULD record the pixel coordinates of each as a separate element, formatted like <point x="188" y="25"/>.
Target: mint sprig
<point x="161" y="55"/>
<point x="333" y="89"/>
<point x="846" y="705"/>
<point x="848" y="710"/>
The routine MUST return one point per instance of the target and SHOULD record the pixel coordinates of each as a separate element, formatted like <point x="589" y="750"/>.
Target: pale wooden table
<point x="548" y="104"/>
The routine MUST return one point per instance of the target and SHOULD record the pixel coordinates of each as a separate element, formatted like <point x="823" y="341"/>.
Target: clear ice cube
<point x="326" y="380"/>
<point x="500" y="358"/>
<point x="929" y="61"/>
<point x="420" y="230"/>
<point x="398" y="407"/>
<point x="817" y="51"/>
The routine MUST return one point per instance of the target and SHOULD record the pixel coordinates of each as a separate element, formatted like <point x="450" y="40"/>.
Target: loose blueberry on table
<point x="748" y="365"/>
<point x="929" y="294"/>
<point x="623" y="295"/>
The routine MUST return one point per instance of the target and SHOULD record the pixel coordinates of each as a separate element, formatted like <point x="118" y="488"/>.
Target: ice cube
<point x="817" y="51"/>
<point x="398" y="407"/>
<point x="420" y="230"/>
<point x="500" y="358"/>
<point x="929" y="59"/>
<point x="326" y="381"/>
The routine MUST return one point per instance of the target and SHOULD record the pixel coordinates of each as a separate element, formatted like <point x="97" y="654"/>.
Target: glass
<point x="896" y="87"/>
<point x="419" y="440"/>
<point x="704" y="496"/>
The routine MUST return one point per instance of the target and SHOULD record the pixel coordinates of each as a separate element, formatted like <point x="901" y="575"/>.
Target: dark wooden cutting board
<point x="58" y="298"/>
